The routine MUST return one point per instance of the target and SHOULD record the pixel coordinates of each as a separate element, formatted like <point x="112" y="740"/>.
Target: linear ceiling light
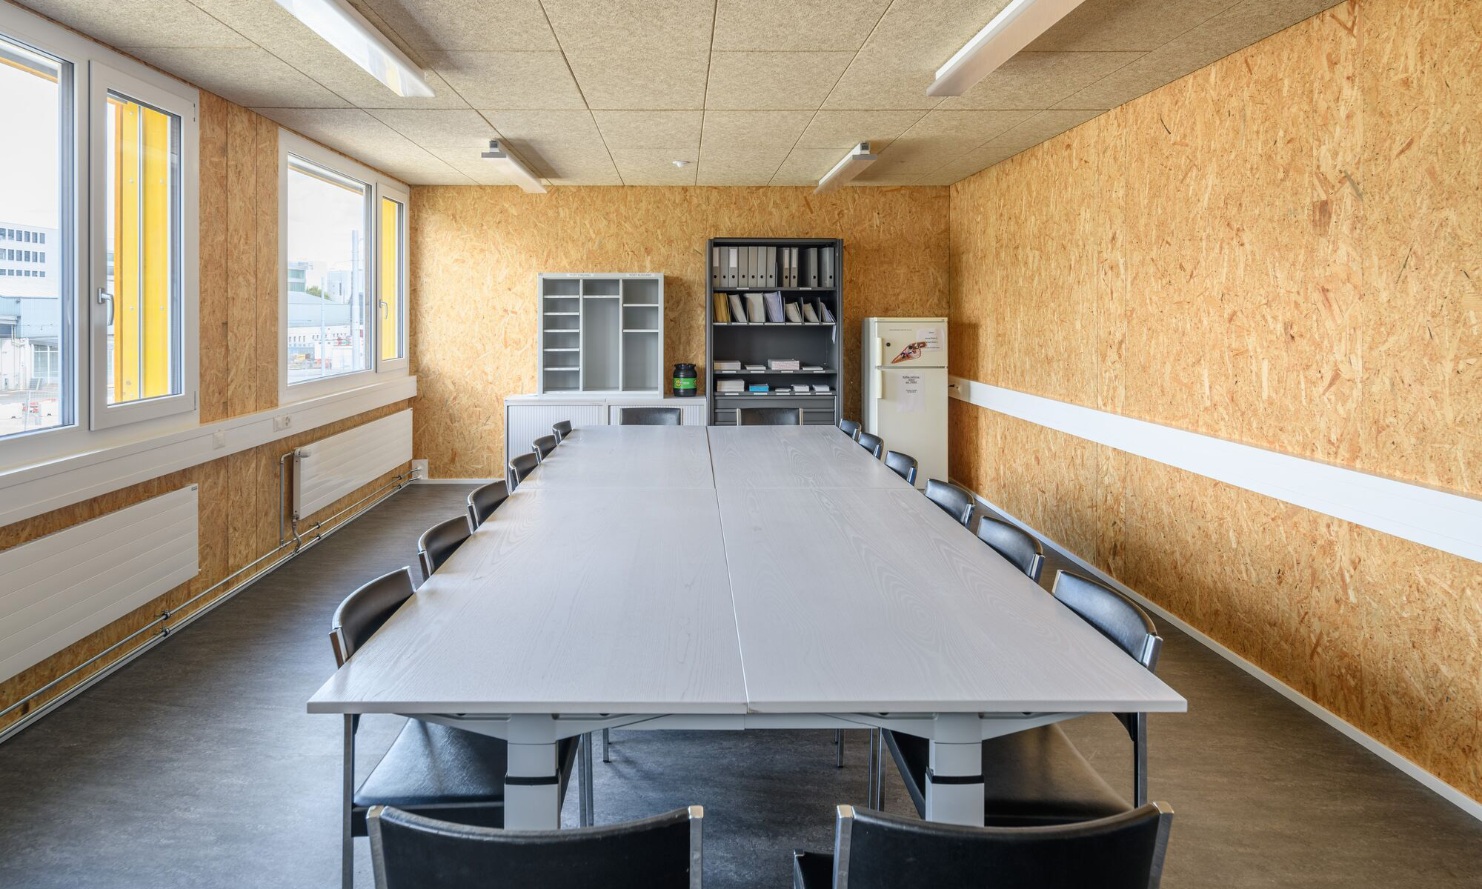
<point x="349" y="32"/>
<point x="1014" y="28"/>
<point x="511" y="168"/>
<point x="852" y="165"/>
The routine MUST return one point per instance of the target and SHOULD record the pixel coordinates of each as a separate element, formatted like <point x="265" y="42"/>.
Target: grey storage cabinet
<point x="601" y="333"/>
<point x="744" y="266"/>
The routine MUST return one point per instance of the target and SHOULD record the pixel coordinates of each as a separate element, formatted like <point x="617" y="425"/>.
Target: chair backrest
<point x="873" y="850"/>
<point x="904" y="465"/>
<point x="851" y="428"/>
<point x="413" y="852"/>
<point x="543" y="446"/>
<point x="1014" y="544"/>
<point x="483" y="500"/>
<point x="650" y="416"/>
<point x="955" y="501"/>
<point x="872" y="443"/>
<point x="439" y="542"/>
<point x="769" y="416"/>
<point x="1117" y="617"/>
<point x="365" y="610"/>
<point x="561" y="429"/>
<point x="520" y="466"/>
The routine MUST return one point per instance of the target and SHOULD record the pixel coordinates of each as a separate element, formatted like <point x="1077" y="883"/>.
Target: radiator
<point x="57" y="589"/>
<point x="335" y="467"/>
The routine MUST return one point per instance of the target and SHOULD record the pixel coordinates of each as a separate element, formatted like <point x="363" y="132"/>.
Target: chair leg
<point x="1140" y="760"/>
<point x="839" y="743"/>
<point x="347" y="802"/>
<point x="879" y="803"/>
<point x="870" y="779"/>
<point x="584" y="768"/>
<point x="606" y="740"/>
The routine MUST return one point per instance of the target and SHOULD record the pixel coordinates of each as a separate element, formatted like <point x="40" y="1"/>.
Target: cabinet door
<point x="529" y="420"/>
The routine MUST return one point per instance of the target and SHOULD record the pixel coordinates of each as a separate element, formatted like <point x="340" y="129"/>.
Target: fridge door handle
<point x="879" y="387"/>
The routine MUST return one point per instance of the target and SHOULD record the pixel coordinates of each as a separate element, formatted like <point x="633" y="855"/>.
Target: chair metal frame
<point x="424" y="558"/>
<point x="475" y="506"/>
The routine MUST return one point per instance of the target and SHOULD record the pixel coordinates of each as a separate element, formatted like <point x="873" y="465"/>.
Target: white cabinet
<point x="528" y="417"/>
<point x="601" y="333"/>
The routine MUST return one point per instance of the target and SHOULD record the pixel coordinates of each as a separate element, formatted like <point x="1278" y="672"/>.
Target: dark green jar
<point x="684" y="380"/>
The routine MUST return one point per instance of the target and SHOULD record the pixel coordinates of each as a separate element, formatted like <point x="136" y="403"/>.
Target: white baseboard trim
<point x="1349" y="730"/>
<point x="454" y="481"/>
<point x="1440" y="519"/>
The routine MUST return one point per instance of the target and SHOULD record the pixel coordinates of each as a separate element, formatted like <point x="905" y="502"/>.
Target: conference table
<point x="732" y="578"/>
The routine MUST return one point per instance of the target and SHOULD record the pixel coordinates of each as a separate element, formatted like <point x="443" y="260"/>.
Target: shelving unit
<point x="601" y="333"/>
<point x="753" y="343"/>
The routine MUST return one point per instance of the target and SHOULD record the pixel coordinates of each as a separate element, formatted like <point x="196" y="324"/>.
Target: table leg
<point x="954" y="780"/>
<point x="532" y="785"/>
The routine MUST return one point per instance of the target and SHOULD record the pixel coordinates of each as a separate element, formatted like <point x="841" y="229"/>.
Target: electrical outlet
<point x="282" y="423"/>
<point x="218" y="440"/>
<point x="419" y="468"/>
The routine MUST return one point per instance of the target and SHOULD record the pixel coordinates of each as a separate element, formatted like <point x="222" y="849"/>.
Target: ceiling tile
<point x="903" y="164"/>
<point x="1121" y="25"/>
<point x="739" y="164"/>
<point x="153" y="23"/>
<point x="957" y="132"/>
<point x="777" y="130"/>
<point x="879" y="79"/>
<point x="796" y="25"/>
<point x="646" y="81"/>
<point x="805" y="166"/>
<point x="965" y="166"/>
<point x="455" y="137"/>
<point x="579" y="165"/>
<point x="563" y="126"/>
<point x="1232" y="30"/>
<point x="844" y="129"/>
<point x="248" y="77"/>
<point x="773" y="79"/>
<point x="559" y="145"/>
<point x="1040" y="79"/>
<point x="649" y="129"/>
<point x="1042" y="126"/>
<point x="623" y="25"/>
<point x="513" y="80"/>
<point x="930" y="31"/>
<point x="438" y="26"/>
<point x="369" y="141"/>
<point x="655" y="166"/>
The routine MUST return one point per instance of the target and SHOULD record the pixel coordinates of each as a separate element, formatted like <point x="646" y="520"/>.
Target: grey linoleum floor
<point x="196" y="765"/>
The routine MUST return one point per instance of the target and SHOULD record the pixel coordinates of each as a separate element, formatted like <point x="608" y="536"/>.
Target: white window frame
<point x="399" y="194"/>
<point x="104" y="79"/>
<point x="292" y="145"/>
<point x="80" y="434"/>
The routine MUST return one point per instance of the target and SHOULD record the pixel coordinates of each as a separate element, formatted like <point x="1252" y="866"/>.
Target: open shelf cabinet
<point x="601" y="333"/>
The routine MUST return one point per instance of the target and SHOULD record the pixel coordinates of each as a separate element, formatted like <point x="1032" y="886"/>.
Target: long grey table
<point x="579" y="607"/>
<point x="628" y="456"/>
<point x="794" y="456"/>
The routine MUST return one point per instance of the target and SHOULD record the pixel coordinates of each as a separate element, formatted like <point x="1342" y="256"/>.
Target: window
<point x="344" y="274"/>
<point x="35" y="192"/>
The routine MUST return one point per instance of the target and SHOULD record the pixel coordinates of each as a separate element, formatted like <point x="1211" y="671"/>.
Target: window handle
<point x="385" y="309"/>
<point x="106" y="298"/>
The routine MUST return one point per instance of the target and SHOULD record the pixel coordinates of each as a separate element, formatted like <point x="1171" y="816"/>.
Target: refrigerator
<point x="904" y="389"/>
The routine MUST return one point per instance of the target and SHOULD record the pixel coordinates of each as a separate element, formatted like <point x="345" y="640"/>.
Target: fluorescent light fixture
<point x="511" y="168"/>
<point x="1014" y="28"/>
<point x="852" y="165"/>
<point x="348" y="31"/>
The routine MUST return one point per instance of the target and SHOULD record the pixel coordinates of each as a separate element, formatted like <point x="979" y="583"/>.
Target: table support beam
<point x="954" y="778"/>
<point x="532" y="785"/>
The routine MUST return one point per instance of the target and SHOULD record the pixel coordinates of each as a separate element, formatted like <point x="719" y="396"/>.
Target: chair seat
<point x="812" y="870"/>
<point x="446" y="773"/>
<point x="1030" y="778"/>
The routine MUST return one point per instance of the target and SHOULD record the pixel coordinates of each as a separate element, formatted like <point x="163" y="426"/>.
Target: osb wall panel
<point x="239" y="510"/>
<point x="476" y="253"/>
<point x="1287" y="256"/>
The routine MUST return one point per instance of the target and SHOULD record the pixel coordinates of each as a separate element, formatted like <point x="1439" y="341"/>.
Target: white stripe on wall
<point x="1438" y="519"/>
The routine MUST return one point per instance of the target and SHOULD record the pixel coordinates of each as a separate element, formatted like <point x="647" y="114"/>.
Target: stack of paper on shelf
<point x="738" y="311"/>
<point x="760" y="388"/>
<point x="784" y="364"/>
<point x="727" y="365"/>
<point x="828" y="317"/>
<point x="755" y="368"/>
<point x="756" y="312"/>
<point x="809" y="314"/>
<point x="800" y="389"/>
<point x="821" y="390"/>
<point x="730" y="386"/>
<point x="773" y="302"/>
<point x="793" y="315"/>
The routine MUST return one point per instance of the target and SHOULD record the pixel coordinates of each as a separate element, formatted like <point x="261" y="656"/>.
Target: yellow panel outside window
<point x="391" y="291"/>
<point x="142" y="222"/>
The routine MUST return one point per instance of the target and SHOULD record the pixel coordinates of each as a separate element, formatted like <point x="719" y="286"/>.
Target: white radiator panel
<point x="330" y="469"/>
<point x="57" y="589"/>
<point x="524" y="423"/>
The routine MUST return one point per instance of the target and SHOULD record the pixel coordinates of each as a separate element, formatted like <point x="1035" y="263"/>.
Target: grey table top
<point x="837" y="589"/>
<point x="626" y="457"/>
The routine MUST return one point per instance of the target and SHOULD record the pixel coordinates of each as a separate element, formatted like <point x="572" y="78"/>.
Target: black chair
<point x="561" y="430"/>
<point x="769" y="416"/>
<point x="543" y="446"/>
<point x="872" y="443"/>
<point x="1038" y="777"/>
<point x="409" y="851"/>
<point x="1014" y="544"/>
<point x="439" y="542"/>
<point x="873" y="850"/>
<point x="851" y="428"/>
<point x="954" y="501"/>
<point x="430" y="768"/>
<point x="482" y="502"/>
<point x="650" y="416"/>
<point x="904" y="465"/>
<point x="520" y="467"/>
